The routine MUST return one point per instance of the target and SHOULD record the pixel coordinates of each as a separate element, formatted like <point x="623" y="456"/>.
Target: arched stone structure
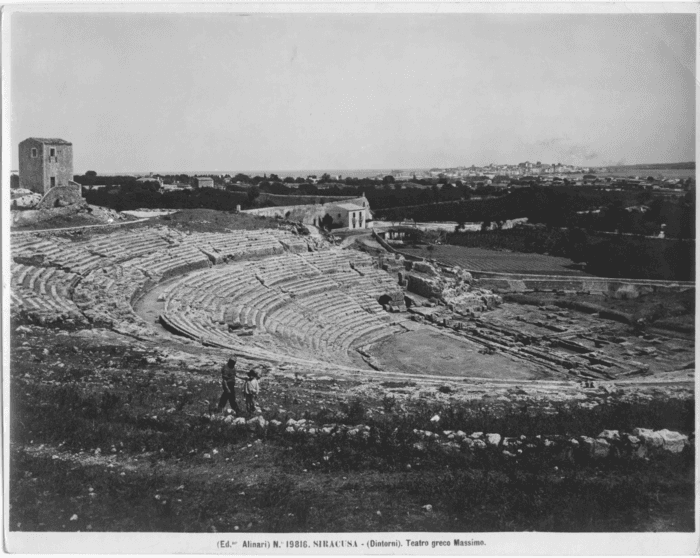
<point x="61" y="196"/>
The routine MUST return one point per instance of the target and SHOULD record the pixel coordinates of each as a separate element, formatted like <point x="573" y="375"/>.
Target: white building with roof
<point x="352" y="214"/>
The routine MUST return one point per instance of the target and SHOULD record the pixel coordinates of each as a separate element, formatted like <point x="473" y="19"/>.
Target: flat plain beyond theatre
<point x="401" y="392"/>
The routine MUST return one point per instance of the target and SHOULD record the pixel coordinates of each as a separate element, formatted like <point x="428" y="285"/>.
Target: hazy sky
<point x="137" y="92"/>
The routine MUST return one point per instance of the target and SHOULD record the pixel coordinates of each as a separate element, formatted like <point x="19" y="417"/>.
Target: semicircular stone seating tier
<point x="65" y="278"/>
<point x="319" y="304"/>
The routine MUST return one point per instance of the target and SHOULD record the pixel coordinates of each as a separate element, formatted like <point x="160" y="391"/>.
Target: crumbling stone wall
<point x="310" y="214"/>
<point x="426" y="286"/>
<point x="614" y="288"/>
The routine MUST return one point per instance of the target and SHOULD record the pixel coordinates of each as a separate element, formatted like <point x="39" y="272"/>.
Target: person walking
<point x="228" y="383"/>
<point x="250" y="390"/>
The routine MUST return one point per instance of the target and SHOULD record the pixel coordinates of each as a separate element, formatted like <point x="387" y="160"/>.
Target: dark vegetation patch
<point x="188" y="220"/>
<point x="62" y="222"/>
<point x="210" y="220"/>
<point x="565" y="229"/>
<point x="533" y="496"/>
<point x="392" y="384"/>
<point x="131" y="196"/>
<point x="565" y="206"/>
<point x="85" y="234"/>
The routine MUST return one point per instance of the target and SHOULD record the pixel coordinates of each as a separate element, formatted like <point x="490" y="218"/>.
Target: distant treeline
<point x="639" y="212"/>
<point x="604" y="255"/>
<point x="552" y="204"/>
<point x="130" y="197"/>
<point x="558" y="206"/>
<point x="380" y="193"/>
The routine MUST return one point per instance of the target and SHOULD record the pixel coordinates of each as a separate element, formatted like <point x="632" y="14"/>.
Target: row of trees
<point x="381" y="194"/>
<point x="640" y="258"/>
<point x="566" y="207"/>
<point x="130" y="197"/>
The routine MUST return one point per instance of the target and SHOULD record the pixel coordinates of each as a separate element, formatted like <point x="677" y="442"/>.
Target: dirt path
<point x="150" y="308"/>
<point x="62" y="229"/>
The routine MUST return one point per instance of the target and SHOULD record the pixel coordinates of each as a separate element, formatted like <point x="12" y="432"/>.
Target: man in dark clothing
<point x="228" y="383"/>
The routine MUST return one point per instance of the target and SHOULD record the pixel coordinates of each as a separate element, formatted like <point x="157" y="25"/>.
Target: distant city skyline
<point x="354" y="91"/>
<point x="344" y="172"/>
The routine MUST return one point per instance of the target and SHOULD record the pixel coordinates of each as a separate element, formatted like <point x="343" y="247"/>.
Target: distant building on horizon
<point x="203" y="182"/>
<point x="45" y="163"/>
<point x="150" y="179"/>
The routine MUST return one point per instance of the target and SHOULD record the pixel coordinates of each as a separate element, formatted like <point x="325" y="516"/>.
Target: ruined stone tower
<point x="45" y="163"/>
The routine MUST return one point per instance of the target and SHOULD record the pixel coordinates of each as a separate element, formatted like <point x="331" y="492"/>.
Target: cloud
<point x="567" y="151"/>
<point x="610" y="163"/>
<point x="551" y="142"/>
<point x="580" y="153"/>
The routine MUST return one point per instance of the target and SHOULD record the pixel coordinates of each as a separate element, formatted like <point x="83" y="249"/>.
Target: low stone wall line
<point x="641" y="443"/>
<point x="592" y="279"/>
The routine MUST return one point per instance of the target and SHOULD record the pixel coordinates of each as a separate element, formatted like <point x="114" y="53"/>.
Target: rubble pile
<point x="23" y="198"/>
<point x="451" y="286"/>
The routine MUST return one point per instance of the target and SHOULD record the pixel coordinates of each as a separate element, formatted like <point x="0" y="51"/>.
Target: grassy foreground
<point x="112" y="436"/>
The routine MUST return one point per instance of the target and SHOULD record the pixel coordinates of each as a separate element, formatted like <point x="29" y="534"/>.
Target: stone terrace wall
<point x="302" y="213"/>
<point x="617" y="288"/>
<point x="311" y="209"/>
